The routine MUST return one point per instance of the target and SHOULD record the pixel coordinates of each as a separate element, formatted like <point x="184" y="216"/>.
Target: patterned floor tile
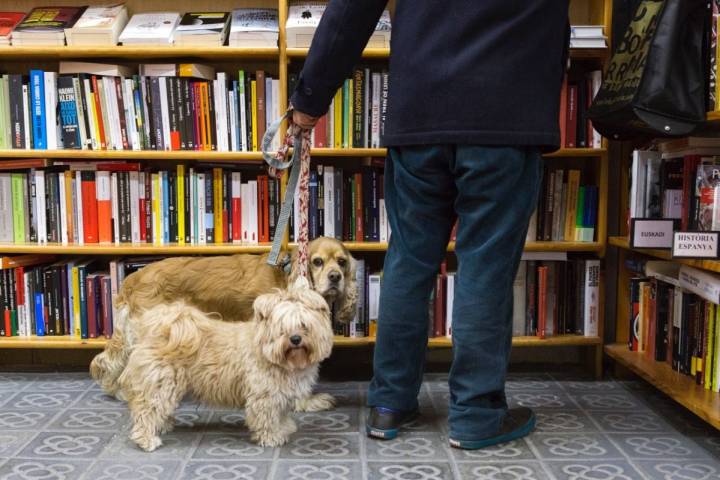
<point x="59" y="469"/>
<point x="81" y="445"/>
<point x="322" y="446"/>
<point x="90" y="420"/>
<point x="513" y="451"/>
<point x="98" y="399"/>
<point x="223" y="470"/>
<point x="190" y="420"/>
<point x="291" y="470"/>
<point x="502" y="471"/>
<point x="12" y="441"/>
<point x="408" y="471"/>
<point x="22" y="419"/>
<point x="175" y="445"/>
<point x="60" y="382"/>
<point x="32" y="400"/>
<point x="541" y="400"/>
<point x="663" y="446"/>
<point x="631" y="422"/>
<point x="230" y="446"/>
<point x="15" y="382"/>
<point x="681" y="470"/>
<point x="593" y="470"/>
<point x="563" y="421"/>
<point x="349" y="398"/>
<point x="329" y="387"/>
<point x="135" y="470"/>
<point x="584" y="446"/>
<point x="619" y="400"/>
<point x="6" y="396"/>
<point x="226" y="420"/>
<point x="709" y="444"/>
<point x="587" y="385"/>
<point x="411" y="447"/>
<point x="530" y="383"/>
<point x="340" y="420"/>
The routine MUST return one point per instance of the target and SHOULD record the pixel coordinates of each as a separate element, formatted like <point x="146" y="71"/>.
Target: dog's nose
<point x="296" y="339"/>
<point x="334" y="276"/>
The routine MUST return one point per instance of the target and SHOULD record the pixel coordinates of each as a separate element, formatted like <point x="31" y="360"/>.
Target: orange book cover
<point x="98" y="106"/>
<point x="359" y="230"/>
<point x="104" y="207"/>
<point x="206" y="116"/>
<point x="24" y="163"/>
<point x="90" y="211"/>
<point x="199" y="113"/>
<point x="542" y="301"/>
<point x="8" y="324"/>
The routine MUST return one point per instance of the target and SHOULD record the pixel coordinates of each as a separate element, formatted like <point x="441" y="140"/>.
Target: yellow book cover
<point x="351" y="118"/>
<point x="96" y="124"/>
<point x="717" y="67"/>
<point x="573" y="187"/>
<point x="709" y="346"/>
<point x="253" y="101"/>
<point x="76" y="302"/>
<point x="181" y="203"/>
<point x="206" y="116"/>
<point x="218" y="204"/>
<point x="157" y="218"/>
<point x="716" y="354"/>
<point x="338" y="118"/>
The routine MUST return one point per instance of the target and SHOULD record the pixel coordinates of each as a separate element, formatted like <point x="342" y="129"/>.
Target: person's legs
<point x="497" y="192"/>
<point x="419" y="196"/>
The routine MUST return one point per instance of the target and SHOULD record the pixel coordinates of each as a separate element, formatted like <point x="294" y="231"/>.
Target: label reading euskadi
<point x="651" y="233"/>
<point x="695" y="244"/>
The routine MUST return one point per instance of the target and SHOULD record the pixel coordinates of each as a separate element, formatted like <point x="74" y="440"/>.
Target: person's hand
<point x="303" y="120"/>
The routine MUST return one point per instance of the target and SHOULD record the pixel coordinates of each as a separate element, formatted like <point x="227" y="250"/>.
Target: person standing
<point x="473" y="102"/>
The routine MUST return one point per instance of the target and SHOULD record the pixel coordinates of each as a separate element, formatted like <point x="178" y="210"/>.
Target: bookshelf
<point x="278" y="61"/>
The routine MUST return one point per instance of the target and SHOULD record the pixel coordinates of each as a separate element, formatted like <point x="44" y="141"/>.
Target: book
<point x="8" y="21"/>
<point x="46" y="26"/>
<point x="254" y="27"/>
<point x="152" y="28"/>
<point x="202" y="29"/>
<point x="98" y="25"/>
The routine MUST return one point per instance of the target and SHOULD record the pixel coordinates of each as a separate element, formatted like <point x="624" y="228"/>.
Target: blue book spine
<point x="313" y="207"/>
<point x="82" y="274"/>
<point x="165" y="210"/>
<point x="37" y="81"/>
<point x="39" y="315"/>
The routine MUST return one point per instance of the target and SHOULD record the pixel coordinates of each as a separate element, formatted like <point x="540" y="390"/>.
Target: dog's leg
<point x="269" y="421"/>
<point x="107" y="366"/>
<point x="315" y="403"/>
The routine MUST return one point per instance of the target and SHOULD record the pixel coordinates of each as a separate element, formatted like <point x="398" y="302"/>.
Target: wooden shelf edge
<point x="681" y="388"/>
<point x="598" y="53"/>
<point x="709" y="265"/>
<point x="121" y="51"/>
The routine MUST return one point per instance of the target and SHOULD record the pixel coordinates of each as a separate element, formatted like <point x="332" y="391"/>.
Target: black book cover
<point x="339" y="202"/>
<point x="120" y="95"/>
<point x="50" y="19"/>
<point x="319" y="202"/>
<point x="209" y="205"/>
<point x="227" y="205"/>
<point x="49" y="301"/>
<point x="172" y="207"/>
<point x="17" y="117"/>
<point x="124" y="215"/>
<point x="272" y="203"/>
<point x="180" y="108"/>
<point x="67" y="104"/>
<point x="58" y="292"/>
<point x="50" y="220"/>
<point x="540" y="217"/>
<point x="581" y="128"/>
<point x="32" y="195"/>
<point x="358" y="109"/>
<point x="12" y="301"/>
<point x="172" y="109"/>
<point x="662" y="302"/>
<point x="549" y="205"/>
<point x="374" y="210"/>
<point x="156" y="114"/>
<point x="187" y="207"/>
<point x="384" y="101"/>
<point x="148" y="207"/>
<point x="367" y="193"/>
<point x="211" y="110"/>
<point x="347" y="231"/>
<point x="248" y="110"/>
<point x="189" y="112"/>
<point x="3" y="300"/>
<point x="65" y="295"/>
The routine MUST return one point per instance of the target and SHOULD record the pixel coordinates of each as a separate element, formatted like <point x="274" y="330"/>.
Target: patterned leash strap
<point x="299" y="140"/>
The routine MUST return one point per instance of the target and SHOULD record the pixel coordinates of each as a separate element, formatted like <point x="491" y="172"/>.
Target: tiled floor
<point x="56" y="426"/>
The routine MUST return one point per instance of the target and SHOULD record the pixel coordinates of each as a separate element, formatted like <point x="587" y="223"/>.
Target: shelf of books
<point x="368" y="53"/>
<point x="145" y="52"/>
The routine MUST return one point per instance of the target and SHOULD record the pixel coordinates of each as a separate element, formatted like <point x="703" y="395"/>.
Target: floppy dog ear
<point x="263" y="305"/>
<point x="346" y="305"/>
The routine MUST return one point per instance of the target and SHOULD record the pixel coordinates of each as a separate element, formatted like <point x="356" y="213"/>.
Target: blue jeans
<point x="492" y="191"/>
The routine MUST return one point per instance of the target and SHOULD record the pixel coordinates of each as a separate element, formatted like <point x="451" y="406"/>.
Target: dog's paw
<point x="315" y="403"/>
<point x="270" y="439"/>
<point x="147" y="442"/>
<point x="168" y="426"/>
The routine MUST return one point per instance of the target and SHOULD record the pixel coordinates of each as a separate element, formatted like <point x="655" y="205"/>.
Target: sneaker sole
<point x="478" y="444"/>
<point x="388" y="434"/>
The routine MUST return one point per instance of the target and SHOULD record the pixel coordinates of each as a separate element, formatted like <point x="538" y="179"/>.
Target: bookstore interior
<point x="131" y="135"/>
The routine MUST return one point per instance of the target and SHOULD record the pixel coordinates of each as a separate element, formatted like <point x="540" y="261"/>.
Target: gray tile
<point x="66" y="445"/>
<point x="563" y="421"/>
<point x="90" y="420"/>
<point x="681" y="469"/>
<point x="631" y="422"/>
<point x="230" y="446"/>
<point x="6" y="396"/>
<point x="45" y="469"/>
<point x="513" y="451"/>
<point x="340" y="420"/>
<point x="530" y="383"/>
<point x="590" y="386"/>
<point x="595" y="470"/>
<point x="329" y="387"/>
<point x="291" y="470"/>
<point x="314" y="446"/>
<point x="15" y="382"/>
<point x="11" y="441"/>
<point x="175" y="445"/>
<point x="227" y="420"/>
<point x="98" y="399"/>
<point x="349" y="398"/>
<point x="189" y="420"/>
<point x="60" y="382"/>
<point x="428" y="421"/>
<point x="43" y="400"/>
<point x="417" y="447"/>
<point x="619" y="400"/>
<point x="584" y="446"/>
<point x="220" y="470"/>
<point x="402" y="471"/>
<point x="663" y="446"/>
<point x="146" y="469"/>
<point x="498" y="471"/>
<point x="22" y="419"/>
<point x="545" y="400"/>
<point x="709" y="444"/>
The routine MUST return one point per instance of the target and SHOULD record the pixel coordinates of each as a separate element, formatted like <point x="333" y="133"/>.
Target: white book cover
<point x="26" y="118"/>
<point x="652" y="185"/>
<point x="6" y="209"/>
<point x="672" y="204"/>
<point x="449" y="302"/>
<point x="236" y="194"/>
<point x="596" y="81"/>
<point x="129" y="111"/>
<point x="141" y="194"/>
<point x="253" y="212"/>
<point x="200" y="217"/>
<point x="193" y="206"/>
<point x="701" y="283"/>
<point x="592" y="298"/>
<point x="373" y="301"/>
<point x="329" y="200"/>
<point x="51" y="124"/>
<point x="254" y="20"/>
<point x="243" y="113"/>
<point x="63" y="211"/>
<point x="532" y="228"/>
<point x="110" y="108"/>
<point x="41" y="205"/>
<point x="152" y="26"/>
<point x="221" y="95"/>
<point x="356" y="329"/>
<point x="233" y="121"/>
<point x="304" y="17"/>
<point x="551" y="300"/>
<point x="165" y="112"/>
<point x="245" y="212"/>
<point x="375" y="109"/>
<point x="93" y="138"/>
<point x="383" y="220"/>
<point x="586" y="31"/>
<point x="29" y="302"/>
<point x="638" y="183"/>
<point x="99" y="19"/>
<point x="79" y="207"/>
<point x="135" y="207"/>
<point x="519" y="300"/>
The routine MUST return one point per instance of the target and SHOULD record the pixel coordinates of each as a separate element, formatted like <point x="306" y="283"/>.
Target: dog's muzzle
<point x="295" y="340"/>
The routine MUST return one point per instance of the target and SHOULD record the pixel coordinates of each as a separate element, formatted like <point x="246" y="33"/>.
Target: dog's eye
<point x="318" y="262"/>
<point x="342" y="262"/>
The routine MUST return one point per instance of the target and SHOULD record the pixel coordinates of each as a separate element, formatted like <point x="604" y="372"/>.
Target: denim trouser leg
<point x="493" y="191"/>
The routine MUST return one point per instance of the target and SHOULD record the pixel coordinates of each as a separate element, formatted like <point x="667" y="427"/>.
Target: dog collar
<point x="286" y="264"/>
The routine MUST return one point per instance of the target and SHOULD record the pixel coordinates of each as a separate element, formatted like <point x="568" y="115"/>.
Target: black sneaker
<point x="384" y="423"/>
<point x="518" y="422"/>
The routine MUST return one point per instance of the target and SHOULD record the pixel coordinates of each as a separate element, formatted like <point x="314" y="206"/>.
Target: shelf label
<point x="651" y="233"/>
<point x="695" y="244"/>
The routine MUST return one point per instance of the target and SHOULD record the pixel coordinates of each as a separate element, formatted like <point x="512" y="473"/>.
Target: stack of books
<point x="100" y="25"/>
<point x="254" y="27"/>
<point x="46" y="26"/>
<point x="151" y="29"/>
<point x="202" y="29"/>
<point x="8" y="20"/>
<point x="587" y="36"/>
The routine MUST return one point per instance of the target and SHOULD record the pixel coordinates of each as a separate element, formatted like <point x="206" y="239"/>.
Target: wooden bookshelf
<point x="130" y="52"/>
<point x="596" y="53"/>
<point x="66" y="342"/>
<point x="681" y="388"/>
<point x="713" y="116"/>
<point x="709" y="265"/>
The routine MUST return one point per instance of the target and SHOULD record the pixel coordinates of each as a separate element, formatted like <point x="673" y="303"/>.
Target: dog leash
<point x="299" y="139"/>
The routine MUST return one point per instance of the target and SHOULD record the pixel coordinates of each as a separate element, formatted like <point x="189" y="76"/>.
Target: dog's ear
<point x="263" y="305"/>
<point x="346" y="305"/>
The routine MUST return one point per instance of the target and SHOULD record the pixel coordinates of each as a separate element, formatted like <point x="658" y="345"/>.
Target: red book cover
<point x="197" y="112"/>
<point x="90" y="209"/>
<point x="92" y="310"/>
<point x="8" y="323"/>
<point x="359" y="233"/>
<point x="236" y="212"/>
<point x="563" y="113"/>
<point x="20" y="285"/>
<point x="8" y="20"/>
<point x="143" y="216"/>
<point x="439" y="317"/>
<point x="690" y="164"/>
<point x="23" y="163"/>
<point x="571" y="126"/>
<point x="98" y="106"/>
<point x="542" y="301"/>
<point x="117" y="167"/>
<point x="321" y="132"/>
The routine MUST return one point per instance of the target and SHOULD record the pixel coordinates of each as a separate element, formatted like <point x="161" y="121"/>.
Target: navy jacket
<point x="461" y="71"/>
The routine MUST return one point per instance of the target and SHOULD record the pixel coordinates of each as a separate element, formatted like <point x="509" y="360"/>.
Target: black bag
<point x="656" y="82"/>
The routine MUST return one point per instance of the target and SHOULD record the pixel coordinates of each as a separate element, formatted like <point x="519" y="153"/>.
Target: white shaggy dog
<point x="264" y="365"/>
